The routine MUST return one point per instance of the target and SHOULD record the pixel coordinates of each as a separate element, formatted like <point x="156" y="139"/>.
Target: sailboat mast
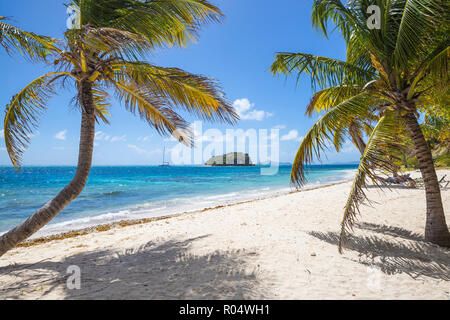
<point x="164" y="155"/>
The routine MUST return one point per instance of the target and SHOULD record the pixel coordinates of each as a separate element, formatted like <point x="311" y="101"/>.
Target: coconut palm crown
<point x="389" y="73"/>
<point x="104" y="55"/>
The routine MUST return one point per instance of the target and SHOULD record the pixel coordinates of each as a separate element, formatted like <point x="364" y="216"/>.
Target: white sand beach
<point x="276" y="248"/>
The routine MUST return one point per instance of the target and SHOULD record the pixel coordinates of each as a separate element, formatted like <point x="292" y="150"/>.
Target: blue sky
<point x="237" y="53"/>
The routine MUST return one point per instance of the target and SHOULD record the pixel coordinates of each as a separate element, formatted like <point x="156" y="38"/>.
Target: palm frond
<point x="30" y="45"/>
<point x="335" y="11"/>
<point x="154" y="109"/>
<point x="196" y="94"/>
<point x="436" y="63"/>
<point x="324" y="72"/>
<point x="416" y="20"/>
<point x="367" y="126"/>
<point x="113" y="42"/>
<point x="23" y="111"/>
<point x="101" y="104"/>
<point x="162" y="22"/>
<point x="383" y="145"/>
<point x="323" y="131"/>
<point x="435" y="66"/>
<point x="358" y="53"/>
<point x="329" y="97"/>
<point x="339" y="137"/>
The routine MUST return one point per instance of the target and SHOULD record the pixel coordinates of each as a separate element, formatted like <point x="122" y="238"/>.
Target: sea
<point x="115" y="193"/>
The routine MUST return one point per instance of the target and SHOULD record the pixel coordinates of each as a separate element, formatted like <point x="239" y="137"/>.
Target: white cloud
<point x="100" y="135"/>
<point x="143" y="151"/>
<point x="280" y="126"/>
<point x="2" y="149"/>
<point x="245" y="110"/>
<point x="137" y="149"/>
<point x="119" y="138"/>
<point x="170" y="139"/>
<point x="61" y="135"/>
<point x="291" y="136"/>
<point x="103" y="136"/>
<point x="143" y="139"/>
<point x="2" y="135"/>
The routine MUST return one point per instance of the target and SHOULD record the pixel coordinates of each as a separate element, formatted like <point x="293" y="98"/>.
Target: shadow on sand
<point x="153" y="271"/>
<point x="413" y="257"/>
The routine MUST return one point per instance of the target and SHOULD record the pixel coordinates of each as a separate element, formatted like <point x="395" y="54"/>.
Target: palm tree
<point x="102" y="56"/>
<point x="389" y="71"/>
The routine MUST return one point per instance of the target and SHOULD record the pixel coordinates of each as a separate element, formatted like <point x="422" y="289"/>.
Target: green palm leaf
<point x="101" y="103"/>
<point x="324" y="72"/>
<point x="154" y="109"/>
<point x="324" y="130"/>
<point x="162" y="22"/>
<point x="382" y="145"/>
<point x="329" y="97"/>
<point x="418" y="20"/>
<point x="196" y="94"/>
<point x="343" y="17"/>
<point x="23" y="111"/>
<point x="29" y="44"/>
<point x="111" y="42"/>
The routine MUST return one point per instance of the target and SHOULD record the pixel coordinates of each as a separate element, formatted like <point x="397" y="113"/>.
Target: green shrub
<point x="443" y="160"/>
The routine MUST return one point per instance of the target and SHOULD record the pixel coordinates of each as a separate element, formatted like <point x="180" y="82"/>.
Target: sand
<point x="276" y="248"/>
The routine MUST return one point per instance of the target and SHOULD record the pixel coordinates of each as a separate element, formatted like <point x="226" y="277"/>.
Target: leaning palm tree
<point x="390" y="71"/>
<point x="103" y="56"/>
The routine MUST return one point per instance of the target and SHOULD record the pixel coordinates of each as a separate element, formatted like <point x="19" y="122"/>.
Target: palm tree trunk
<point x="436" y="230"/>
<point x="42" y="216"/>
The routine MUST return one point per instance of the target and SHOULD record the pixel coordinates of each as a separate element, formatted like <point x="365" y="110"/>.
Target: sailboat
<point x="164" y="163"/>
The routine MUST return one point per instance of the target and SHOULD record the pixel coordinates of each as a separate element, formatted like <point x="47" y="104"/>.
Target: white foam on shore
<point x="173" y="206"/>
<point x="170" y="207"/>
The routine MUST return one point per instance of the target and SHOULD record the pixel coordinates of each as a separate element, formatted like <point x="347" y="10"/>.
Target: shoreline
<point x="73" y="233"/>
<point x="283" y="247"/>
<point x="106" y="203"/>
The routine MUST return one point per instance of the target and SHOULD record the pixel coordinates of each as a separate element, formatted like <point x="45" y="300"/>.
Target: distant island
<point x="230" y="159"/>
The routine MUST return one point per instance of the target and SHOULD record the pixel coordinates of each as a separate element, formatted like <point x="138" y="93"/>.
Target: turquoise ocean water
<point x="119" y="193"/>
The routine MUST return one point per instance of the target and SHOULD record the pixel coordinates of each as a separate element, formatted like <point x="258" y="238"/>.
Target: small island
<point x="232" y="159"/>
